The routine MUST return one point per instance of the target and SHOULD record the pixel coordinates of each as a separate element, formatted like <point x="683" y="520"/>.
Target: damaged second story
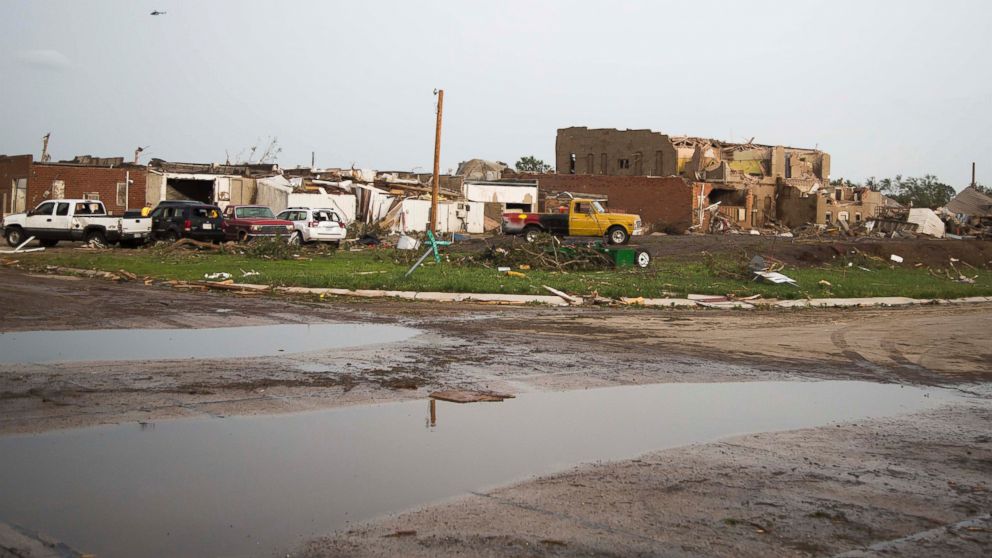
<point x="611" y="152"/>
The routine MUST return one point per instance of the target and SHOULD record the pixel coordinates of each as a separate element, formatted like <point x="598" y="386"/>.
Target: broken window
<point x="623" y="163"/>
<point x="828" y="218"/>
<point x="571" y="163"/>
<point x="122" y="194"/>
<point x="843" y="216"/>
<point x="91" y="196"/>
<point x="857" y="217"/>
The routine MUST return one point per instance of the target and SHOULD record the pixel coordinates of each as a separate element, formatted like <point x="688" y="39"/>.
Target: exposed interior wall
<point x="189" y="189"/>
<point x="520" y="197"/>
<point x="795" y="208"/>
<point x="154" y="188"/>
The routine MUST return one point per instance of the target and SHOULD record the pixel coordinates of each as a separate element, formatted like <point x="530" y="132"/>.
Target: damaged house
<point x="733" y="185"/>
<point x="835" y="204"/>
<point x="205" y="182"/>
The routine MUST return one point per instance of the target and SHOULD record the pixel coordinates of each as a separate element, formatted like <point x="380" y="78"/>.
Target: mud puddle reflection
<point x="221" y="342"/>
<point x="256" y="485"/>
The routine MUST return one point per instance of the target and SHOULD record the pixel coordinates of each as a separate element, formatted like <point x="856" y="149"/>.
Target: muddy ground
<point x="818" y="491"/>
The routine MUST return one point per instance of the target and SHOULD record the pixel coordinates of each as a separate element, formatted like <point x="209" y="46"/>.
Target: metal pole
<point x="127" y="188"/>
<point x="436" y="187"/>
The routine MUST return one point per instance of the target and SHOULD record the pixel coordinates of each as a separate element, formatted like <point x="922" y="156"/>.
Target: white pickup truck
<point x="85" y="220"/>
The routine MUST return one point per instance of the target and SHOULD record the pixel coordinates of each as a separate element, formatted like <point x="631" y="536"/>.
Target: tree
<point x="987" y="190"/>
<point x="532" y="164"/>
<point x="927" y="191"/>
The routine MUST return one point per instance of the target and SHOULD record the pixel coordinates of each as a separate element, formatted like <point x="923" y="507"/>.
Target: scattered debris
<point x="219" y="275"/>
<point x="566" y="297"/>
<point x="20" y="247"/>
<point x="895" y="258"/>
<point x="775" y="277"/>
<point x="467" y="396"/>
<point x="407" y="243"/>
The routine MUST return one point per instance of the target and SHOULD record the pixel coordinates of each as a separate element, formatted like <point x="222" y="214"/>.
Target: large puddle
<point x="256" y="485"/>
<point x="222" y="342"/>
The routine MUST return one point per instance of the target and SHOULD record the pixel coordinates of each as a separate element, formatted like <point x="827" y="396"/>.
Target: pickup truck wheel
<point x="531" y="232"/>
<point x="642" y="259"/>
<point x="15" y="236"/>
<point x="95" y="237"/>
<point x="48" y="243"/>
<point x="170" y="236"/>
<point x="296" y="239"/>
<point x="242" y="236"/>
<point x="617" y="235"/>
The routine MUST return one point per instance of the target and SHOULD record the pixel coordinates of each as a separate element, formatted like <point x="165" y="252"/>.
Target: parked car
<point x="245" y="222"/>
<point x="74" y="219"/>
<point x="172" y="220"/>
<point x="315" y="224"/>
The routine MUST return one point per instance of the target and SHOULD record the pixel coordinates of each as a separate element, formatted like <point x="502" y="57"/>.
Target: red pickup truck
<point x="244" y="222"/>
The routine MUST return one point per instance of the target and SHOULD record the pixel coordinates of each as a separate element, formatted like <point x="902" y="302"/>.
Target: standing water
<point x="218" y="342"/>
<point x="256" y="485"/>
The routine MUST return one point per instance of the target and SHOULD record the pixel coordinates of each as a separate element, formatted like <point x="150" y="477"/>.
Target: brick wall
<point x="662" y="202"/>
<point x="11" y="168"/>
<point x="80" y="180"/>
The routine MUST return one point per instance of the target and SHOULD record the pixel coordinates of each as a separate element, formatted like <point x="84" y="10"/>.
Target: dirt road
<point x="816" y="491"/>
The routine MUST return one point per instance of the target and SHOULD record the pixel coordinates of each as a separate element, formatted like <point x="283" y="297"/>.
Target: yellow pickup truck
<point x="580" y="217"/>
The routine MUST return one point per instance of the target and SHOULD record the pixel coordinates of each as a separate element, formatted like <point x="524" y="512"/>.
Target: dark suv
<point x="173" y="220"/>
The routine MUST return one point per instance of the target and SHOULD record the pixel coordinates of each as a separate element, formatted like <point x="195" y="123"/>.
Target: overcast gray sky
<point x="885" y="87"/>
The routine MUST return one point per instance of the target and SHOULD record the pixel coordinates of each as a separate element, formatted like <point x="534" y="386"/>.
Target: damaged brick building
<point x="26" y="183"/>
<point x="739" y="182"/>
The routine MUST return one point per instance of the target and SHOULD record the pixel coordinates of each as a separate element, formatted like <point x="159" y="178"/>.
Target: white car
<point x="315" y="224"/>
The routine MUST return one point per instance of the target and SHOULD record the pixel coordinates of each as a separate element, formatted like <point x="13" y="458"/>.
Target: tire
<point x="242" y="236"/>
<point x="642" y="259"/>
<point x="296" y="239"/>
<point x="15" y="236"/>
<point x="48" y="243"/>
<point x="95" y="235"/>
<point x="531" y="232"/>
<point x="617" y="235"/>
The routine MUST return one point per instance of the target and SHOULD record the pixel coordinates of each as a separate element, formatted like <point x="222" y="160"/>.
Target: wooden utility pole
<point x="436" y="186"/>
<point x="972" y="174"/>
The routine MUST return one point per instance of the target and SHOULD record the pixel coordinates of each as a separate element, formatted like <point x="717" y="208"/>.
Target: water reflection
<point x="257" y="485"/>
